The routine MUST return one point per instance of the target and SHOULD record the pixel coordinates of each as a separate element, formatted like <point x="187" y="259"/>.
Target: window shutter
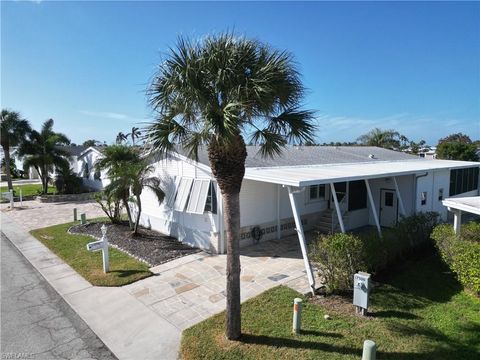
<point x="198" y="196"/>
<point x="172" y="191"/>
<point x="182" y="194"/>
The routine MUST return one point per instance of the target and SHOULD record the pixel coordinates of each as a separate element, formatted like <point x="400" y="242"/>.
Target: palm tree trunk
<point x="6" y="152"/>
<point x="129" y="214"/>
<point x="232" y="221"/>
<point x="228" y="166"/>
<point x="139" y="205"/>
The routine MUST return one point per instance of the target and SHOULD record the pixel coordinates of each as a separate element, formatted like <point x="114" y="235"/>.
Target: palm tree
<point x="140" y="175"/>
<point x="121" y="137"/>
<point x="135" y="134"/>
<point x="44" y="153"/>
<point x="113" y="161"/>
<point x="13" y="131"/>
<point x="389" y="139"/>
<point x="213" y="93"/>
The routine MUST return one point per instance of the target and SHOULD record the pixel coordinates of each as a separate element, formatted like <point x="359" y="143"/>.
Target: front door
<point x="388" y="207"/>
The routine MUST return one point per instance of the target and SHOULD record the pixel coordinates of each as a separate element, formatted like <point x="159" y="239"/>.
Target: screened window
<point x="357" y="195"/>
<point x="463" y="180"/>
<point x="211" y="203"/>
<point x="341" y="190"/>
<point x="317" y="192"/>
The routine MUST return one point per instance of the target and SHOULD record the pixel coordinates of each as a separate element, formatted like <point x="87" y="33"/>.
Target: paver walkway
<point x="191" y="289"/>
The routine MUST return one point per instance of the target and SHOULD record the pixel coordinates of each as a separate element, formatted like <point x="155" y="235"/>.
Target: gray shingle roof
<point x="316" y="155"/>
<point x="73" y="150"/>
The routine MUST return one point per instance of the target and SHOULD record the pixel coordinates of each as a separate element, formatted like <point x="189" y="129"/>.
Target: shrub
<point x="110" y="204"/>
<point x="67" y="182"/>
<point x="461" y="253"/>
<point x="338" y="257"/>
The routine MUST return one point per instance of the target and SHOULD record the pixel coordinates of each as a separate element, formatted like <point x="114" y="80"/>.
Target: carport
<point x="459" y="205"/>
<point x="297" y="178"/>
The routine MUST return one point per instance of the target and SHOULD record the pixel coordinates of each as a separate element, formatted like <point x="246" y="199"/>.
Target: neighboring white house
<point x="373" y="186"/>
<point x="85" y="168"/>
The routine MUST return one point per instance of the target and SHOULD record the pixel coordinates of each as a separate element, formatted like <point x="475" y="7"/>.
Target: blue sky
<point x="414" y="67"/>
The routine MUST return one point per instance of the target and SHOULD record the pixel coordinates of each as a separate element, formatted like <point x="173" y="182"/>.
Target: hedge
<point x="461" y="253"/>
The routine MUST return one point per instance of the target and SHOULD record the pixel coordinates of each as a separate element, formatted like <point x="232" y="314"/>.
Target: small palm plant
<point x="213" y="93"/>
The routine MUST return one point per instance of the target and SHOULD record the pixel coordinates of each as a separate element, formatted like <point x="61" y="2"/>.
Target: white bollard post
<point x="106" y="265"/>
<point x="297" y="315"/>
<point x="369" y="350"/>
<point x="11" y="199"/>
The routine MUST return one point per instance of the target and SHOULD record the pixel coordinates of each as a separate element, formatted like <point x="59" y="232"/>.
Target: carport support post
<point x="337" y="208"/>
<point x="279" y="232"/>
<point x="374" y="208"/>
<point x="457" y="221"/>
<point x="301" y="239"/>
<point x="399" y="196"/>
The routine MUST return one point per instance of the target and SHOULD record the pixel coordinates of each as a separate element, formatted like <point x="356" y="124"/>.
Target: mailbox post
<point x="101" y="245"/>
<point x="361" y="290"/>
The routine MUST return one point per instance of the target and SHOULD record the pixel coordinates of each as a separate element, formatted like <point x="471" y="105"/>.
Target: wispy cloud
<point x="112" y="116"/>
<point x="431" y="128"/>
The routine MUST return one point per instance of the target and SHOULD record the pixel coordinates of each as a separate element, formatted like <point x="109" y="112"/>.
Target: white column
<point x="301" y="239"/>
<point x="399" y="197"/>
<point x="279" y="233"/>
<point x="337" y="207"/>
<point x="374" y="208"/>
<point x="457" y="221"/>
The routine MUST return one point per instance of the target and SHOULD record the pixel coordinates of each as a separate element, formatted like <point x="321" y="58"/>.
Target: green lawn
<point x="421" y="314"/>
<point x="28" y="189"/>
<point x="72" y="249"/>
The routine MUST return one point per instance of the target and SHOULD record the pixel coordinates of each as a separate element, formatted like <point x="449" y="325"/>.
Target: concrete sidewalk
<point x="130" y="329"/>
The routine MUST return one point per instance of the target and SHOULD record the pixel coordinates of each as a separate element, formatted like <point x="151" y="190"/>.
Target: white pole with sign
<point x="101" y="245"/>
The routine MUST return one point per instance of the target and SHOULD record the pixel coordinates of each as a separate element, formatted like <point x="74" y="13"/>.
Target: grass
<point x="72" y="249"/>
<point x="422" y="313"/>
<point x="28" y="189"/>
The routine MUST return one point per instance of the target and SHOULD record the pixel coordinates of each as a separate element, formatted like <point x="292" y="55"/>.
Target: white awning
<point x="323" y="174"/>
<point x="467" y="204"/>
<point x="198" y="196"/>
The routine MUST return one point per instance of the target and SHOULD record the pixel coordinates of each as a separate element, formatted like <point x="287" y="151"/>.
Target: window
<point x="357" y="195"/>
<point x="211" y="204"/>
<point x="423" y="197"/>
<point x="389" y="198"/>
<point x="440" y="194"/>
<point x="97" y="175"/>
<point x="317" y="192"/>
<point x="463" y="180"/>
<point x="86" y="170"/>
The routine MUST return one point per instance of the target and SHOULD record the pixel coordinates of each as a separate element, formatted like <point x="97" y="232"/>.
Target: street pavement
<point x="36" y="322"/>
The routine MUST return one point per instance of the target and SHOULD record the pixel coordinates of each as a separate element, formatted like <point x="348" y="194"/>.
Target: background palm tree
<point x="135" y="134"/>
<point x="215" y="92"/>
<point x="389" y="139"/>
<point x="121" y="137"/>
<point x="13" y="131"/>
<point x="44" y="153"/>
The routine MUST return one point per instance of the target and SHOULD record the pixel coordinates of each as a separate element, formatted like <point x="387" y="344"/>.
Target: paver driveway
<point x="35" y="215"/>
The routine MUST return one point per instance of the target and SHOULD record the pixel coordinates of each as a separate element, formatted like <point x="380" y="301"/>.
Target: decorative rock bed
<point x="65" y="197"/>
<point x="149" y="246"/>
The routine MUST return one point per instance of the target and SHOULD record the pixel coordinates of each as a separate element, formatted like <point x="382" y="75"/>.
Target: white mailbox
<point x="361" y="290"/>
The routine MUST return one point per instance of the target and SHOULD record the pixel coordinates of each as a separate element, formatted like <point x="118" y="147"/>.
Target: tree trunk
<point x="44" y="176"/>
<point x="227" y="162"/>
<point x="129" y="214"/>
<point x="139" y="206"/>
<point x="6" y="152"/>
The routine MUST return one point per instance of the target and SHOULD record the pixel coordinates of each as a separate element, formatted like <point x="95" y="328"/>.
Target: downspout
<point x="416" y="188"/>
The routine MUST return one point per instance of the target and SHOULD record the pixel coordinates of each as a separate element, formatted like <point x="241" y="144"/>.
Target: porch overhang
<point x="300" y="176"/>
<point x="462" y="204"/>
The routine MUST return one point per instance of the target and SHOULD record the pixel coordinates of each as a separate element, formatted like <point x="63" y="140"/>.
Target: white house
<point x="365" y="185"/>
<point x="85" y="168"/>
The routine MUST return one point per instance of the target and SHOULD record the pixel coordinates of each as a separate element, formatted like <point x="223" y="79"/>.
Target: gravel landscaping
<point x="150" y="246"/>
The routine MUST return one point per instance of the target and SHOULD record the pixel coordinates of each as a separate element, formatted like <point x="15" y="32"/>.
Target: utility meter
<point x="361" y="290"/>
